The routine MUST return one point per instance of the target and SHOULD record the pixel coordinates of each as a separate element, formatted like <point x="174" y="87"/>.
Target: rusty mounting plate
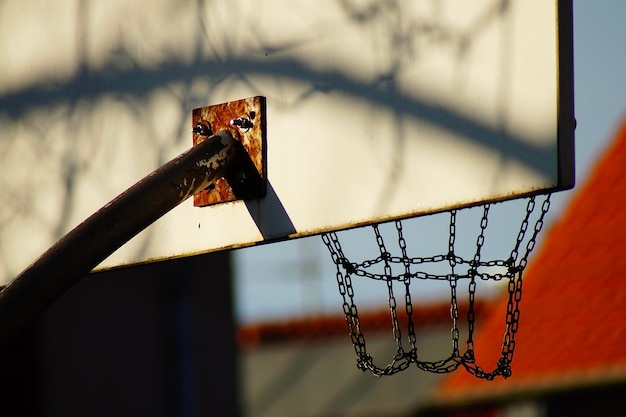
<point x="245" y="120"/>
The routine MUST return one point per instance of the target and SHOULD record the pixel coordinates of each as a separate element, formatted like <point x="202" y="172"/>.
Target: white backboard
<point x="375" y="111"/>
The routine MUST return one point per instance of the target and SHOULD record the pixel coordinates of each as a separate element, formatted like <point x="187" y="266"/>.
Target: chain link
<point x="408" y="303"/>
<point x="403" y="358"/>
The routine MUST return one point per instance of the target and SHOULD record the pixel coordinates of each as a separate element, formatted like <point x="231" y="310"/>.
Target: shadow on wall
<point x="39" y="113"/>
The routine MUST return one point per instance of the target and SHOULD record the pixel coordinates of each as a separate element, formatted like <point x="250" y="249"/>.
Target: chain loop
<point x="459" y="269"/>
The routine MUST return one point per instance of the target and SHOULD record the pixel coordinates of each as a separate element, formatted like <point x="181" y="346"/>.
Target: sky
<point x="297" y="278"/>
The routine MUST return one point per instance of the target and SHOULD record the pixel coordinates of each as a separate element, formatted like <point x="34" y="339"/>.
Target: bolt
<point x="242" y="123"/>
<point x="202" y="129"/>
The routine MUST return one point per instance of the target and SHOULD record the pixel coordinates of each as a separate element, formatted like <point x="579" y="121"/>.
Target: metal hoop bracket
<point x="245" y="119"/>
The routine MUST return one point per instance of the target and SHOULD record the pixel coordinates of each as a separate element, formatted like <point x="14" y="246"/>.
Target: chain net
<point x="401" y="270"/>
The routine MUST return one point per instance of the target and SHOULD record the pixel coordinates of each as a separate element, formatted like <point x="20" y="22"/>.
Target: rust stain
<point x="219" y="117"/>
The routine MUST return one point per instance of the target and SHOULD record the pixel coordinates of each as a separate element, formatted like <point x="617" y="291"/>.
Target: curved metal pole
<point x="82" y="249"/>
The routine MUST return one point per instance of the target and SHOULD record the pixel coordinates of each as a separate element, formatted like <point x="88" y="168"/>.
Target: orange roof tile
<point x="571" y="329"/>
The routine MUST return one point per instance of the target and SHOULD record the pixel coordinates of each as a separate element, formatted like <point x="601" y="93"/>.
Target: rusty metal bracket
<point x="246" y="121"/>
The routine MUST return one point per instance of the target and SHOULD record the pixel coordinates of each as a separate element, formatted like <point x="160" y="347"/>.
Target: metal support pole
<point x="82" y="249"/>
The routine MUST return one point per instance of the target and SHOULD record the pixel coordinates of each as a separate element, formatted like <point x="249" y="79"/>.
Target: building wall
<point x="153" y="340"/>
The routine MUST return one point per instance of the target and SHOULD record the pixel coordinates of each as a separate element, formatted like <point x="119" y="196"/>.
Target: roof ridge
<point x="326" y="326"/>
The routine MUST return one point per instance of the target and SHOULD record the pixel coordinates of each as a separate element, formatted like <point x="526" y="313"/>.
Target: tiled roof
<point x="572" y="330"/>
<point x="326" y="327"/>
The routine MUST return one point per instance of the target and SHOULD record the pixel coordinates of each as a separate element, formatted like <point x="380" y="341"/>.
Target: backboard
<point x="373" y="111"/>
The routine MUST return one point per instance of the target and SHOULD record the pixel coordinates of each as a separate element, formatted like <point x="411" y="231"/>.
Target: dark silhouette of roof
<point x="572" y="330"/>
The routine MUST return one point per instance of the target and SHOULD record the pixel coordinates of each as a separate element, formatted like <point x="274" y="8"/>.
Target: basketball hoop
<point x="402" y="269"/>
